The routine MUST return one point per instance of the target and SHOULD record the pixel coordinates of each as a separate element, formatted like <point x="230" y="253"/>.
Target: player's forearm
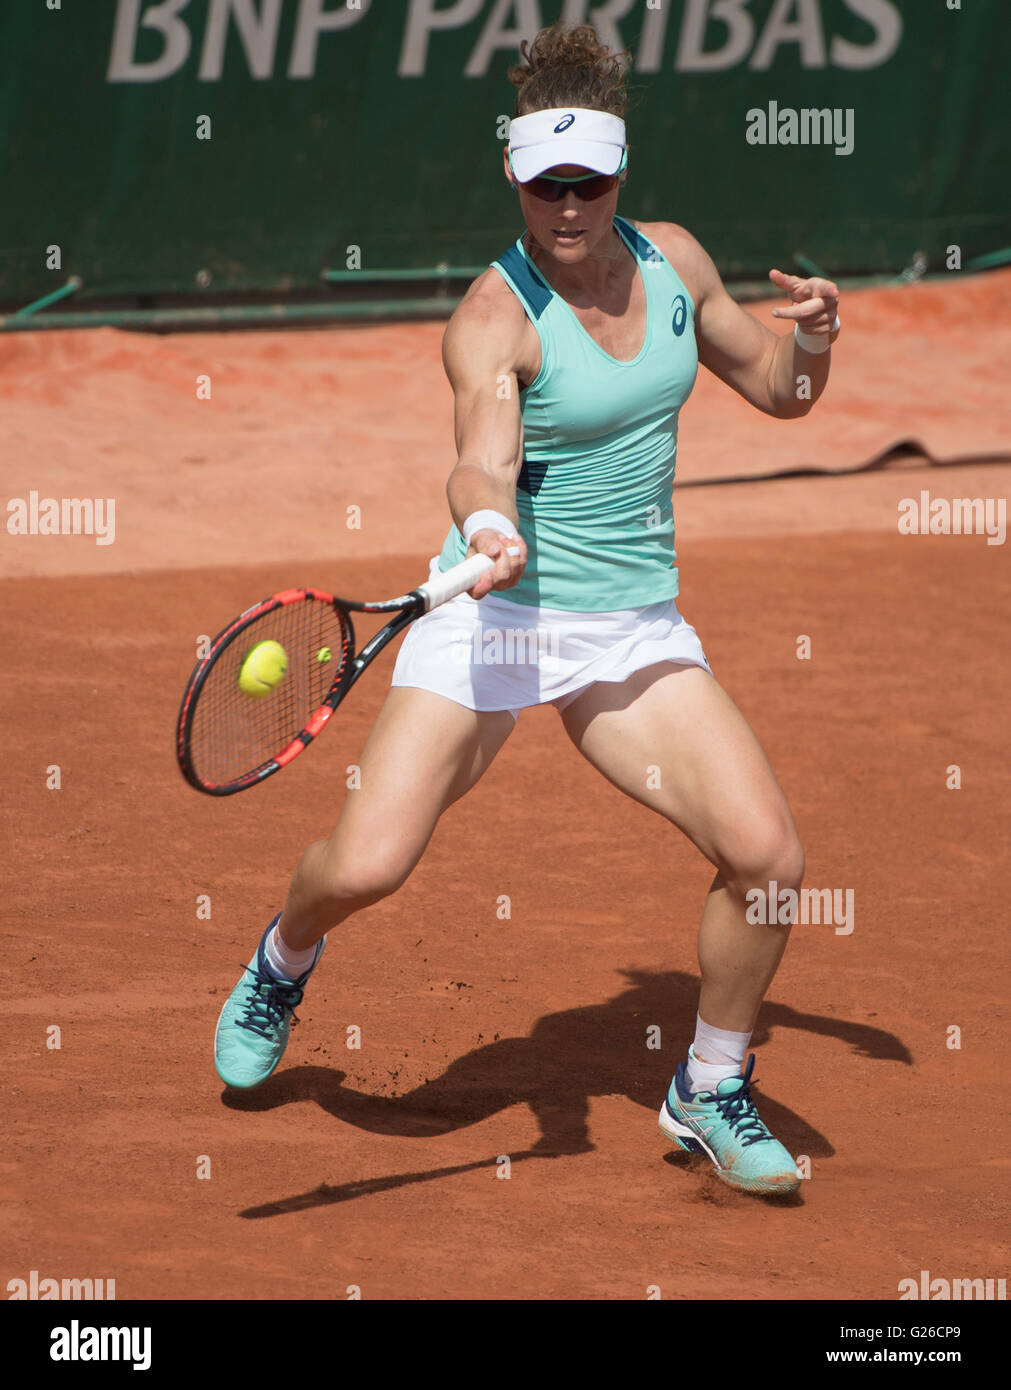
<point x="797" y="378"/>
<point x="471" y="488"/>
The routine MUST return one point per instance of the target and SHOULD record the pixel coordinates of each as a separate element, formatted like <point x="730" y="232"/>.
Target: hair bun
<point x="567" y="65"/>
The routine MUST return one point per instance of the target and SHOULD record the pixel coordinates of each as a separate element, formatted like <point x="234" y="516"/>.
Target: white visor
<point x="566" y="135"/>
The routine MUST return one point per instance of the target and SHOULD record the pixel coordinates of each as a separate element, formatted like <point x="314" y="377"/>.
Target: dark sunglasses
<point x="587" y="187"/>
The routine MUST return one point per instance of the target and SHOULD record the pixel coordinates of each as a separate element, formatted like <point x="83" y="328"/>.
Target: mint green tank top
<point x="600" y="445"/>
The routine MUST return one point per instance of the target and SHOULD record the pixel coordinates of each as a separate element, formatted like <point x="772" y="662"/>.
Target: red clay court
<point x="377" y="1168"/>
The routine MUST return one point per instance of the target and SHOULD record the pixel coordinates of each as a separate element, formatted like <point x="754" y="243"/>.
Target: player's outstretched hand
<point x="815" y="301"/>
<point x="509" y="554"/>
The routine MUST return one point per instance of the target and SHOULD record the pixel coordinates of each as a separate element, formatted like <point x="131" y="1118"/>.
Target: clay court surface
<point x="482" y="1037"/>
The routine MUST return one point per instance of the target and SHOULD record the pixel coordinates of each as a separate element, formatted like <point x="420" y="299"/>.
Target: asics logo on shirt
<point x="680" y="315"/>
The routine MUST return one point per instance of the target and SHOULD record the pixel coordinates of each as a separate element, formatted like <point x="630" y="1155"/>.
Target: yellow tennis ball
<point x="323" y="655"/>
<point x="263" y="669"/>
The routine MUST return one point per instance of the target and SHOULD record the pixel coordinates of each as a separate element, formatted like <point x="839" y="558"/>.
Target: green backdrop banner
<point x="159" y="147"/>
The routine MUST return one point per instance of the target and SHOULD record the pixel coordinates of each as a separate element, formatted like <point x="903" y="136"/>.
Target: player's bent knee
<point x="792" y="864"/>
<point x="367" y="880"/>
<point x="769" y="854"/>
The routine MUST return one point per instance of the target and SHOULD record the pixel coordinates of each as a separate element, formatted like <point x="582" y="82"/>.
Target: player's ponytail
<point x="567" y="65"/>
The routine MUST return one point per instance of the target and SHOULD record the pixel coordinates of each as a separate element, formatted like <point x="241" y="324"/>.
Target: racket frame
<point x="407" y="607"/>
<point x="351" y="668"/>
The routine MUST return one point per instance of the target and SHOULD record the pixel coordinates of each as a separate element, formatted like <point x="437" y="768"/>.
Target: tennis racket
<point x="226" y="740"/>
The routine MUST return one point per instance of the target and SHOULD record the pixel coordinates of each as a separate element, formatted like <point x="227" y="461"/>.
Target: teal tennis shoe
<point x="253" y="1027"/>
<point x="724" y="1125"/>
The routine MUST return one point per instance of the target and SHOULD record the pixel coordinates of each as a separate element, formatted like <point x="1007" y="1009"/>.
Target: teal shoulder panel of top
<point x="645" y="250"/>
<point x="526" y="280"/>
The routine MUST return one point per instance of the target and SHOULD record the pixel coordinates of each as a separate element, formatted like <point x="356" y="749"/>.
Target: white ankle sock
<point x="724" y="1053"/>
<point x="288" y="964"/>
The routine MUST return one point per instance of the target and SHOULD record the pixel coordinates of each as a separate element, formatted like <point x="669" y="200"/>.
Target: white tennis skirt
<point x="491" y="654"/>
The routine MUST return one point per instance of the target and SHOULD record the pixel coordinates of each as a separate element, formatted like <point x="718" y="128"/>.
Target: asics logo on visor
<point x="564" y="124"/>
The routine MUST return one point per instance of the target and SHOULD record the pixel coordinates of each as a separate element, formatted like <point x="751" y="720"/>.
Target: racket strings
<point x="233" y="733"/>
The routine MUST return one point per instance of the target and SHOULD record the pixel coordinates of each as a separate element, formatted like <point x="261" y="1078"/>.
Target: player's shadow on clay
<point x="569" y="1057"/>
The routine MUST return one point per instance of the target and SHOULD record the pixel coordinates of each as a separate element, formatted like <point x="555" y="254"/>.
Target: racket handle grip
<point x="455" y="581"/>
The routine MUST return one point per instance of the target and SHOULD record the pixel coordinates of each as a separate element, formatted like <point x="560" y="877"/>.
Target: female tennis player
<point x="570" y="358"/>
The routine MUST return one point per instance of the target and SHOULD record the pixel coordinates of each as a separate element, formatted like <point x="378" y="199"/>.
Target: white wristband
<point x="487" y="520"/>
<point x="815" y="342"/>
